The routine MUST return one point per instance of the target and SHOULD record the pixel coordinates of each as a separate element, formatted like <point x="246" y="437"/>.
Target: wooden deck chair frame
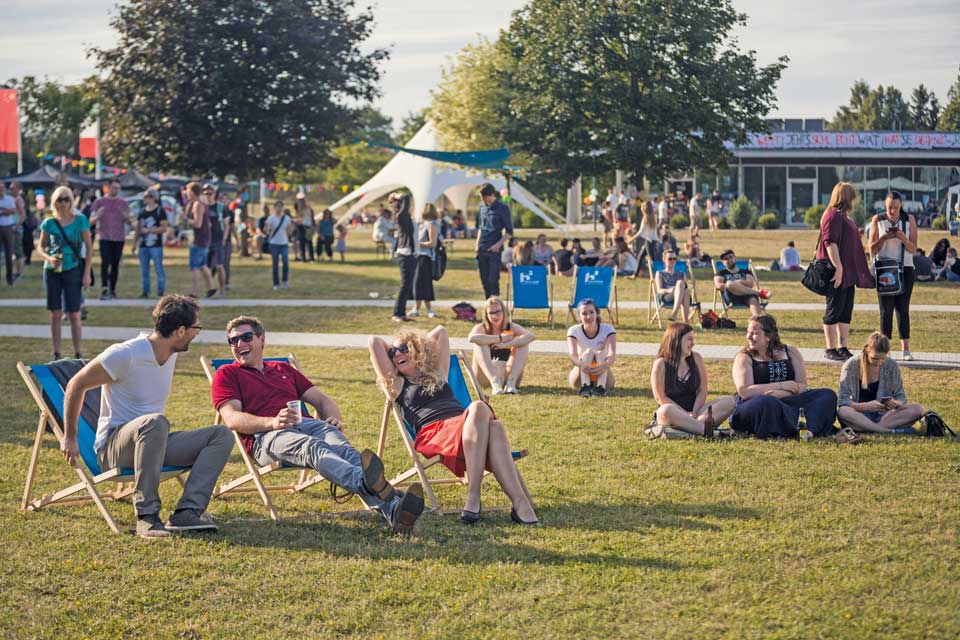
<point x="256" y="472"/>
<point x="655" y="304"/>
<point x="419" y="467"/>
<point x="511" y="308"/>
<point x="717" y="295"/>
<point x="88" y="481"/>
<point x="612" y="308"/>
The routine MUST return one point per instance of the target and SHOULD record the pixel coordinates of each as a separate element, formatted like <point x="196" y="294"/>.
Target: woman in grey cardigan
<point x="871" y="394"/>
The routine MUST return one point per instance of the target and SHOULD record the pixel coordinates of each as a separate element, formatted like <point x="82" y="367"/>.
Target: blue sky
<point x="831" y="43"/>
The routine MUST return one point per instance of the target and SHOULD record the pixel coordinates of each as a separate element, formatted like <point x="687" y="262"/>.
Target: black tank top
<point x="683" y="392"/>
<point x="767" y="371"/>
<point x="420" y="408"/>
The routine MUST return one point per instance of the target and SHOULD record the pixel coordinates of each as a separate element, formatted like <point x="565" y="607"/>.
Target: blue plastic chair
<point x="531" y="289"/>
<point x="655" y="302"/>
<point x="598" y="283"/>
<point x="49" y="397"/>
<point x="722" y="295"/>
<point x="458" y="384"/>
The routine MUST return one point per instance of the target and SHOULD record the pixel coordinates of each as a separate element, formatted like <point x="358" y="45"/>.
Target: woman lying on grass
<point x="871" y="391"/>
<point x="679" y="383"/>
<point x="412" y="370"/>
<point x="500" y="348"/>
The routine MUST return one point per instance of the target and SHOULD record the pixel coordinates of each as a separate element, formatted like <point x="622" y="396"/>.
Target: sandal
<point x="847" y="436"/>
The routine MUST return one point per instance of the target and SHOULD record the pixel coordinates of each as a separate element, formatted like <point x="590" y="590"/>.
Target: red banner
<point x="9" y="122"/>
<point x="89" y="138"/>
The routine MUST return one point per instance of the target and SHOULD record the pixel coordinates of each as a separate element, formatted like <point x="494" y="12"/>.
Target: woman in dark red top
<point x="413" y="370"/>
<point x="840" y="244"/>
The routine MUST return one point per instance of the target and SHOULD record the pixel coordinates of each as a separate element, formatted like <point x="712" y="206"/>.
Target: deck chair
<point x="256" y="472"/>
<point x="655" y="302"/>
<point x="599" y="283"/>
<point x="723" y="297"/>
<point x="46" y="384"/>
<point x="531" y="289"/>
<point x="418" y="470"/>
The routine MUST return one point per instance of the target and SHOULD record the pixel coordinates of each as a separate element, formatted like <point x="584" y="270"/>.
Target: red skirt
<point x="445" y="438"/>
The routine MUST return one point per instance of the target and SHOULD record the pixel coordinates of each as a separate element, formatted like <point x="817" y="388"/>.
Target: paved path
<point x="358" y="341"/>
<point x="25" y="303"/>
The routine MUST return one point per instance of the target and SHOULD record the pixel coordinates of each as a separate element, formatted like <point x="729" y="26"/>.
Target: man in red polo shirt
<point x="252" y="395"/>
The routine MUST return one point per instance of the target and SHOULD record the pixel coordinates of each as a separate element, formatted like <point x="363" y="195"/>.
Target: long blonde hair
<point x="59" y="192"/>
<point x="843" y="196"/>
<point x="424" y="353"/>
<point x="876" y="343"/>
<point x="429" y="212"/>
<point x="487" y="325"/>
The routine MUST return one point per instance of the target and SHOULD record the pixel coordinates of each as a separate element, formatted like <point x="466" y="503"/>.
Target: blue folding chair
<point x="255" y="472"/>
<point x="722" y="295"/>
<point x="530" y="288"/>
<point x="458" y="384"/>
<point x="655" y="301"/>
<point x="598" y="283"/>
<point x="49" y="397"/>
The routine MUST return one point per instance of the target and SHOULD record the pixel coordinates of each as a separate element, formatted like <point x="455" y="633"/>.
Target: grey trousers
<point x="146" y="445"/>
<point x="318" y="446"/>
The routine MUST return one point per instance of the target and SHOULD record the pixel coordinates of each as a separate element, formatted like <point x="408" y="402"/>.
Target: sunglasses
<point x="65" y="199"/>
<point x="392" y="351"/>
<point x="246" y="336"/>
<point x="671" y="258"/>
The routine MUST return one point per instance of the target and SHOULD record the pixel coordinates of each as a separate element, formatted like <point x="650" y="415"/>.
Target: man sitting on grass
<point x="136" y="377"/>
<point x="740" y="286"/>
<point x="254" y="399"/>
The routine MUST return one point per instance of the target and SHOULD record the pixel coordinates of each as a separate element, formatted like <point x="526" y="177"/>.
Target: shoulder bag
<point x="889" y="271"/>
<point x="439" y="259"/>
<point x="818" y="276"/>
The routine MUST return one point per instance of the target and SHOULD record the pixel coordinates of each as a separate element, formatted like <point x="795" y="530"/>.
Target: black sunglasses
<point x="65" y="199"/>
<point x="392" y="351"/>
<point x="246" y="336"/>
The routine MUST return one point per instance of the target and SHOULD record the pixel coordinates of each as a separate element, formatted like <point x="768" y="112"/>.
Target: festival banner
<point x="89" y="139"/>
<point x="866" y="140"/>
<point x="9" y="122"/>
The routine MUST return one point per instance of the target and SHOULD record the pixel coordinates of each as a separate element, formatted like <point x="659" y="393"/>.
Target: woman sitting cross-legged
<point x="679" y="383"/>
<point x="413" y="370"/>
<point x="871" y="390"/>
<point x="771" y="382"/>
<point x="499" y="348"/>
<point x="592" y="347"/>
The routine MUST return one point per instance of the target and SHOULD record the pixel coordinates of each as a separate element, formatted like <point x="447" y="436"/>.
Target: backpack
<point x="439" y="260"/>
<point x="726" y="323"/>
<point x="708" y="320"/>
<point x="934" y="426"/>
<point x="465" y="311"/>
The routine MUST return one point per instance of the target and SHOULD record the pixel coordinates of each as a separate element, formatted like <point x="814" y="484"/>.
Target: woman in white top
<point x="500" y="348"/>
<point x="646" y="234"/>
<point x="277" y="229"/>
<point x="894" y="235"/>
<point x="542" y="252"/>
<point x="592" y="346"/>
<point x="622" y="258"/>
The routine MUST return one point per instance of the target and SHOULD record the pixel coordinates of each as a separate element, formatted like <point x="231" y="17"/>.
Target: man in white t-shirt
<point x="695" y="213"/>
<point x="8" y="230"/>
<point x="132" y="431"/>
<point x="663" y="211"/>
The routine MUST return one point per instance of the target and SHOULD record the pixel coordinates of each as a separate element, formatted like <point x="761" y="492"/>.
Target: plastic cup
<point x="294" y="407"/>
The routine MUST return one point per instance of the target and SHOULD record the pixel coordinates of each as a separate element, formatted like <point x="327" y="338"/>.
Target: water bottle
<point x="804" y="433"/>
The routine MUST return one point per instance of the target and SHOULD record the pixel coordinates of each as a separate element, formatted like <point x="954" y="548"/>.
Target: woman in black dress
<point x="404" y="253"/>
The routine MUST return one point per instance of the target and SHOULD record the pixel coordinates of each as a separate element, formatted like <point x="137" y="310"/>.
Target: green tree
<point x="235" y="87"/>
<point x="652" y="87"/>
<point x="950" y="116"/>
<point x="849" y="116"/>
<point x="922" y="103"/>
<point x="410" y="125"/>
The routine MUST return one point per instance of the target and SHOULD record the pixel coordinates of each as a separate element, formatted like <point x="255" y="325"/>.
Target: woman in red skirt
<point x="413" y="369"/>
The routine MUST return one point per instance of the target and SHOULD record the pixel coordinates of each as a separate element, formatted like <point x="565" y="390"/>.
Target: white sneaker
<point x="907" y="355"/>
<point x="431" y="314"/>
<point x="285" y="285"/>
<point x="511" y="388"/>
<point x="414" y="314"/>
<point x="276" y="287"/>
<point x="495" y="388"/>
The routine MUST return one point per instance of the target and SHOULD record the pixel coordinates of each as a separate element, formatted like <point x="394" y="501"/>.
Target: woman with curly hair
<point x="412" y="369"/>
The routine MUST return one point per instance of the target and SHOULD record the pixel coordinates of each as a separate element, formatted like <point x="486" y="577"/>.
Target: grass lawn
<point x="364" y="273"/>
<point x="742" y="539"/>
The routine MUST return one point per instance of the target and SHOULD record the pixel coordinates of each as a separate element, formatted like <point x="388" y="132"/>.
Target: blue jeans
<point x="278" y="251"/>
<point x="156" y="255"/>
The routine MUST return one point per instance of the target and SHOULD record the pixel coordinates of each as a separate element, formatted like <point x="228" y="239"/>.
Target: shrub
<point x="812" y="215"/>
<point x="724" y="224"/>
<point x="769" y="220"/>
<point x="939" y="223"/>
<point x="742" y="213"/>
<point x="679" y="221"/>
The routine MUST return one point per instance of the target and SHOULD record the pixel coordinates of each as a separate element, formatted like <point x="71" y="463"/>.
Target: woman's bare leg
<point x="475" y="437"/>
<point x="904" y="416"/>
<point x="722" y="409"/>
<point x="483" y="363"/>
<point x="504" y="469"/>
<point x="575" y="378"/>
<point x="56" y="320"/>
<point x="76" y="330"/>
<point x="674" y="416"/>
<point x="853" y="418"/>
<point x="516" y="364"/>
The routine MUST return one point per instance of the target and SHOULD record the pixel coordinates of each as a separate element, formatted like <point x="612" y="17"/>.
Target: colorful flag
<point x="9" y="122"/>
<point x="89" y="139"/>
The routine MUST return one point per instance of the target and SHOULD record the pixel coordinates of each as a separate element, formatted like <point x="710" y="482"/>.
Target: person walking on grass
<point x="136" y="377"/>
<point x="495" y="229"/>
<point x="110" y="214"/>
<point x="152" y="225"/>
<point x="215" y="253"/>
<point x="404" y="254"/>
<point x="342" y="242"/>
<point x="66" y="249"/>
<point x="306" y="222"/>
<point x="198" y="213"/>
<point x="9" y="220"/>
<point x="325" y="235"/>
<point x="278" y="228"/>
<point x="226" y="211"/>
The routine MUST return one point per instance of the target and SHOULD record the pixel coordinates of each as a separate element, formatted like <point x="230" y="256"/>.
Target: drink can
<point x="294" y="407"/>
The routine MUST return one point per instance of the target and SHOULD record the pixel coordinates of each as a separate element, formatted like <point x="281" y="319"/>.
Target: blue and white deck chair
<point x="531" y="288"/>
<point x="721" y="294"/>
<point x="598" y="283"/>
<point x="255" y="472"/>
<point x="655" y="302"/>
<point x="458" y="384"/>
<point x="49" y="396"/>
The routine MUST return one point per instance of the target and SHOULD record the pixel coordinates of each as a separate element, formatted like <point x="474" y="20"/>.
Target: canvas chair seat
<point x="600" y="284"/>
<point x="726" y="302"/>
<point x="655" y="301"/>
<point x="530" y="288"/>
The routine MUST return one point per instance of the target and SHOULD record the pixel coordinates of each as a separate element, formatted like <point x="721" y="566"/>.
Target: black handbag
<point x="818" y="276"/>
<point x="439" y="260"/>
<point x="888" y="271"/>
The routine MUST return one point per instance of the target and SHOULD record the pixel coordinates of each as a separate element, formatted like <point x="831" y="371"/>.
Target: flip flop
<point x="847" y="436"/>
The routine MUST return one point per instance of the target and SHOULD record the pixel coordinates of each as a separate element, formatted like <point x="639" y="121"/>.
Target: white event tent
<point x="428" y="180"/>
